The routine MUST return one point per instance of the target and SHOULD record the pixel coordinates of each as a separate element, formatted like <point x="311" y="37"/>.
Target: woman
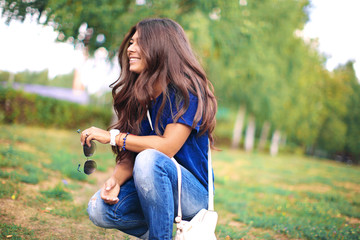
<point x="160" y="74"/>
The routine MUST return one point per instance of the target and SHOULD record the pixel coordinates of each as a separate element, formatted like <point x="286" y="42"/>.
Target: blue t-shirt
<point x="194" y="153"/>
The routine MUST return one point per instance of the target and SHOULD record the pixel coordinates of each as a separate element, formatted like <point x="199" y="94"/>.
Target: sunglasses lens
<point x="89" y="167"/>
<point x="89" y="151"/>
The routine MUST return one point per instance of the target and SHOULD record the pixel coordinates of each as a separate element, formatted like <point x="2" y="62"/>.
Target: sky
<point x="29" y="46"/>
<point x="335" y="23"/>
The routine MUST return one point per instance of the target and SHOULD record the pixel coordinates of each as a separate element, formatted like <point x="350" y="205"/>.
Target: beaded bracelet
<point x="124" y="144"/>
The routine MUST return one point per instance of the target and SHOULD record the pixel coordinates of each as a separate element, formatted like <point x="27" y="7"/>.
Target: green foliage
<point x="64" y="81"/>
<point x="352" y="118"/>
<point x="40" y="78"/>
<point x="5" y="76"/>
<point x="19" y="107"/>
<point x="224" y="119"/>
<point x="251" y="50"/>
<point x="58" y="192"/>
<point x="338" y="123"/>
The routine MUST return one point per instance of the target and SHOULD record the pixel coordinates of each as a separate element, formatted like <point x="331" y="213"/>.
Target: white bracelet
<point x="113" y="134"/>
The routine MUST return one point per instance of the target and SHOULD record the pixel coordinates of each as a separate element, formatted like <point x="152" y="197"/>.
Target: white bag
<point x="202" y="225"/>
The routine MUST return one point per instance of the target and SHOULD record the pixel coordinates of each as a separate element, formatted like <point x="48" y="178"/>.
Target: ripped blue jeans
<point x="148" y="201"/>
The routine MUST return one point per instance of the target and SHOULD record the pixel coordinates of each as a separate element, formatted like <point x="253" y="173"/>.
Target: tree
<point x="256" y="57"/>
<point x="345" y="109"/>
<point x="352" y="118"/>
<point x="96" y="23"/>
<point x="258" y="66"/>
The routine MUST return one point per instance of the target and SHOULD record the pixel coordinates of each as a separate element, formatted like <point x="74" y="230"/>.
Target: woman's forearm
<point x="123" y="171"/>
<point x="139" y="143"/>
<point x="169" y="143"/>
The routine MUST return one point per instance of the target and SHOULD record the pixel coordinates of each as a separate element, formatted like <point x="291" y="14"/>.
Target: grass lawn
<point x="43" y="196"/>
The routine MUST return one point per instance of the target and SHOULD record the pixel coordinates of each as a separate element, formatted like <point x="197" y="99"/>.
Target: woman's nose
<point x="131" y="48"/>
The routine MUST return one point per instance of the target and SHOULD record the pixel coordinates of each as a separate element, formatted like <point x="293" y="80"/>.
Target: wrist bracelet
<point x="124" y="144"/>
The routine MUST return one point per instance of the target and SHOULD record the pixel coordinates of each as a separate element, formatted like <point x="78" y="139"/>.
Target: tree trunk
<point x="283" y="140"/>
<point x="250" y="134"/>
<point x="239" y="123"/>
<point x="11" y="79"/>
<point x="274" y="148"/>
<point x="264" y="135"/>
<point x="78" y="86"/>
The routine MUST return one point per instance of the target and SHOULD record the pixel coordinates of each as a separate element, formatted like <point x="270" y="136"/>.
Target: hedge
<point x="18" y="107"/>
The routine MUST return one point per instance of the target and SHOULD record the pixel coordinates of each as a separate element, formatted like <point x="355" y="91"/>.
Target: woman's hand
<point x="110" y="191"/>
<point x="94" y="133"/>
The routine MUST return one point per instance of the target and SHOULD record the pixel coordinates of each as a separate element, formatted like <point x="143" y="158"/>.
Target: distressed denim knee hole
<point x="95" y="210"/>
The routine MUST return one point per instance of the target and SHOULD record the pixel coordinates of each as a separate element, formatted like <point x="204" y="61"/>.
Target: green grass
<point x="12" y="231"/>
<point x="256" y="196"/>
<point x="9" y="189"/>
<point x="63" y="154"/>
<point x="74" y="212"/>
<point x="296" y="196"/>
<point x="58" y="192"/>
<point x="13" y="157"/>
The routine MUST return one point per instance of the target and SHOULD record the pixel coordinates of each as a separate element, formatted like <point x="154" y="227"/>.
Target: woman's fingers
<point x="112" y="202"/>
<point x="94" y="133"/>
<point x="110" y="191"/>
<point x="85" y="136"/>
<point x="88" y="138"/>
<point x="108" y="198"/>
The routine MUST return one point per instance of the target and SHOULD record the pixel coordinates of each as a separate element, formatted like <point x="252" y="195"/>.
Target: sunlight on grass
<point x="291" y="195"/>
<point x="38" y="171"/>
<point x="256" y="196"/>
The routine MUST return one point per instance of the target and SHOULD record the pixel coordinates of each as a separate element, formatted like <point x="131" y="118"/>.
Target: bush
<point x="17" y="107"/>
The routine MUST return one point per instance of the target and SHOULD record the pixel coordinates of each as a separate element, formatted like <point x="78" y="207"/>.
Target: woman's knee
<point x="111" y="216"/>
<point x="126" y="215"/>
<point x="145" y="163"/>
<point x="96" y="210"/>
<point x="148" y="164"/>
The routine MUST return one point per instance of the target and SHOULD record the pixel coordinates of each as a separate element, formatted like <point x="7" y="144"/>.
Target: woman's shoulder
<point x="175" y="92"/>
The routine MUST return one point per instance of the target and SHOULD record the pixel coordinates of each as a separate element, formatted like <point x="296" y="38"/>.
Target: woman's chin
<point x="135" y="70"/>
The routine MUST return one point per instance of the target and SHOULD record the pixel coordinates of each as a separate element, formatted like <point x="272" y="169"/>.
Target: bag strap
<point x="210" y="179"/>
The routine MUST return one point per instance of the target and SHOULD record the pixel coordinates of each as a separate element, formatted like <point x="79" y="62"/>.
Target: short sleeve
<point x="188" y="117"/>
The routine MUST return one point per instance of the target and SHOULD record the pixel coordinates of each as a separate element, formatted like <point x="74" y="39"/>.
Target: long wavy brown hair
<point x="169" y="59"/>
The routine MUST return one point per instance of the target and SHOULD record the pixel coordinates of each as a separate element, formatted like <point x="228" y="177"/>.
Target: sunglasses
<point x="90" y="165"/>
